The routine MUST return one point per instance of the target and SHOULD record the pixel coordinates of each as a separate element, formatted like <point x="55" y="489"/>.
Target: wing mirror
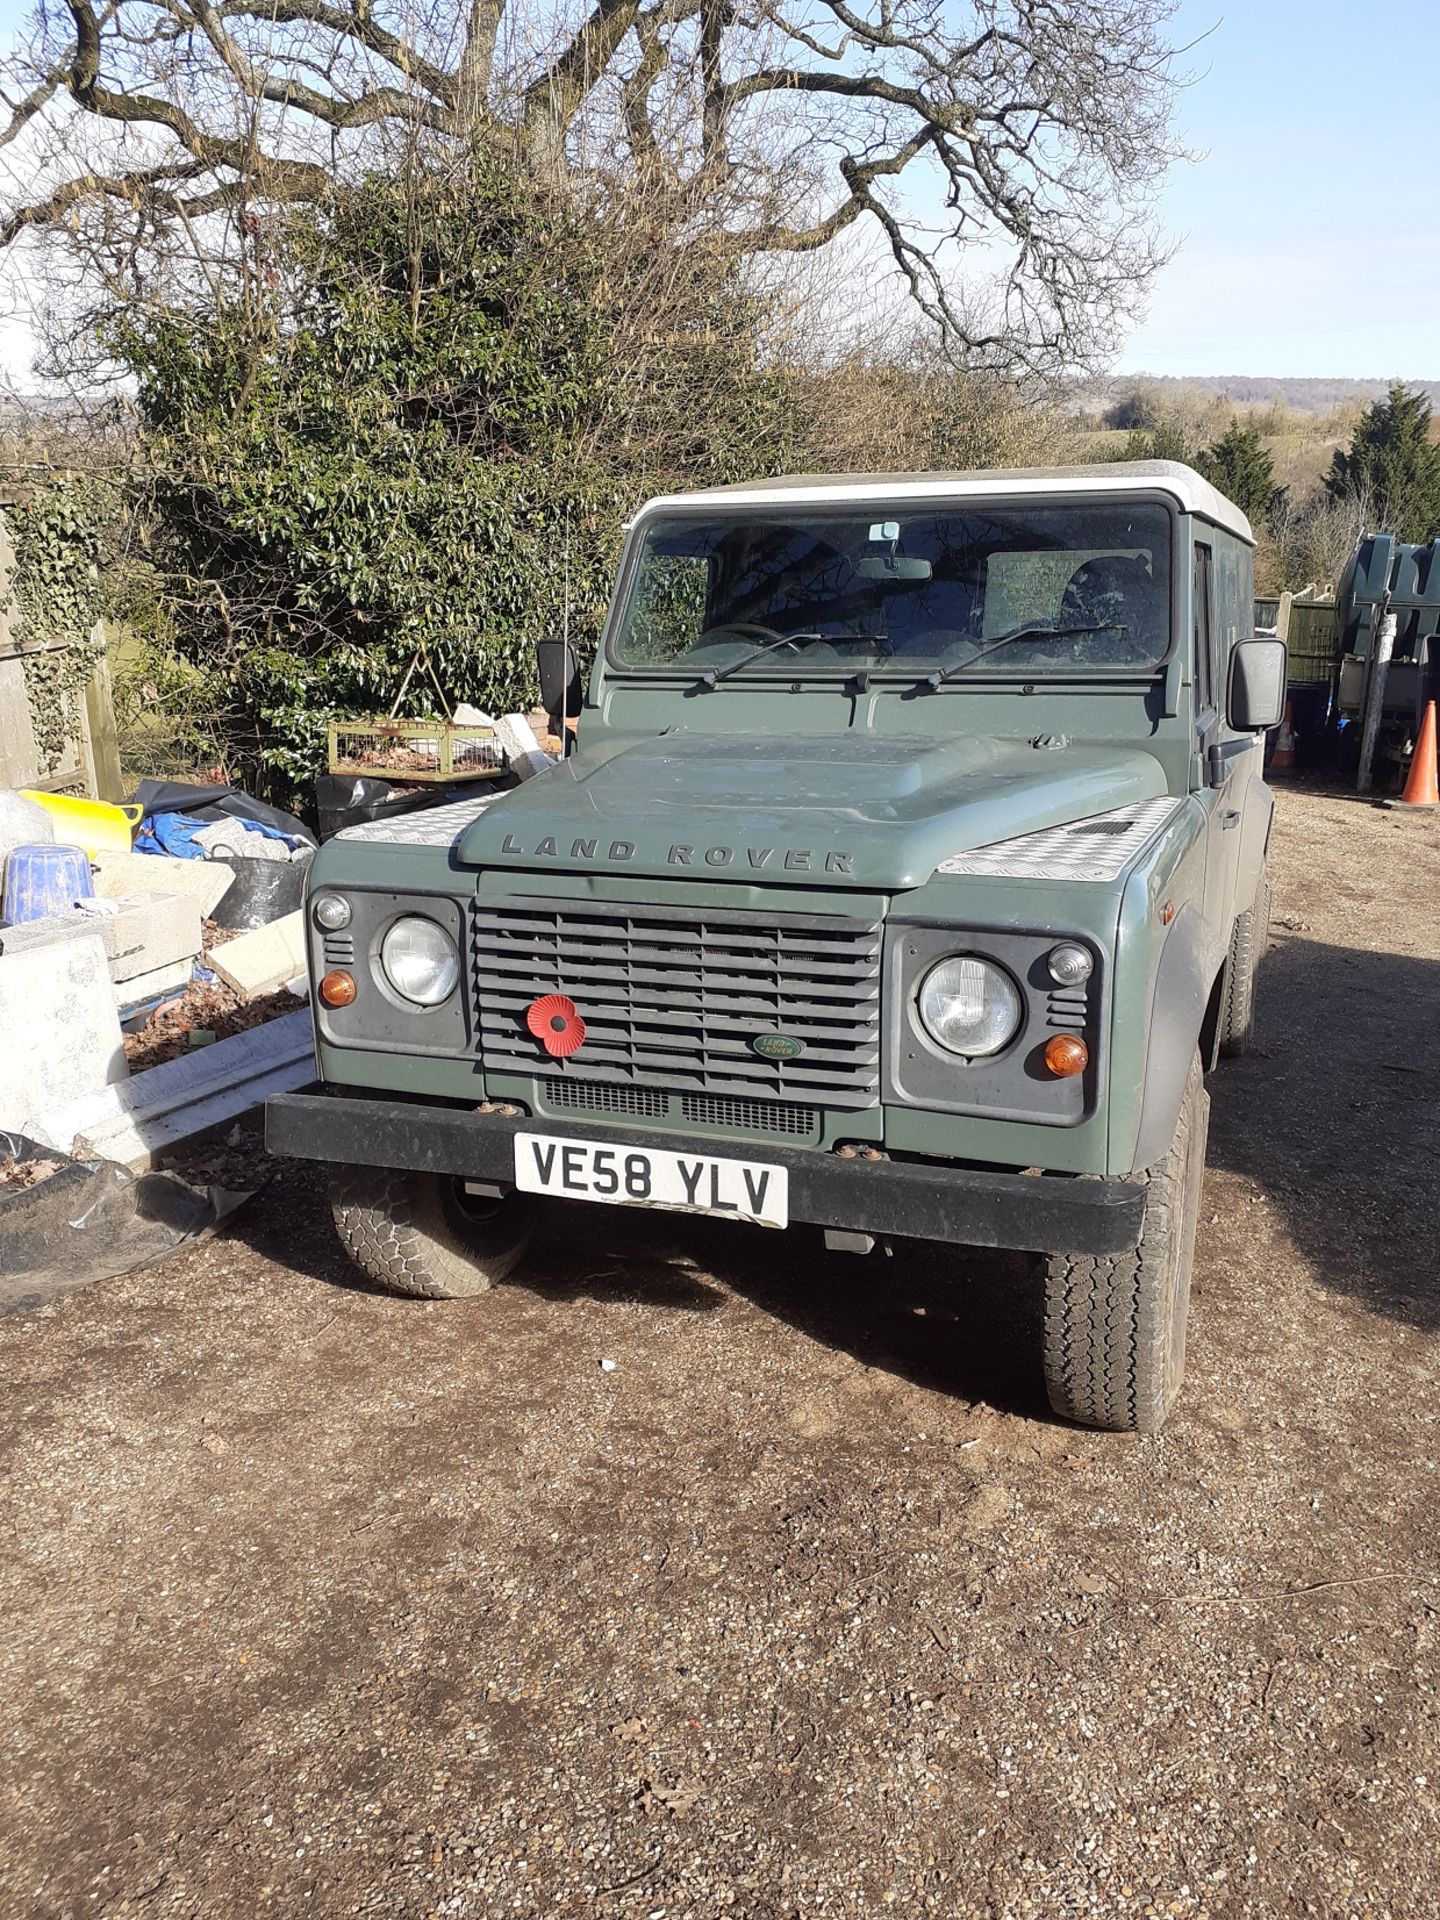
<point x="560" y="689"/>
<point x="1255" y="697"/>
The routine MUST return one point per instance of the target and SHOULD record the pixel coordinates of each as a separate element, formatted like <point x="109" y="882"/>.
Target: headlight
<point x="969" y="1006"/>
<point x="331" y="911"/>
<point x="420" y="960"/>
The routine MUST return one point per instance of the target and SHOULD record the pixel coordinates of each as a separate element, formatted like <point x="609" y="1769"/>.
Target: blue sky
<point x="1307" y="231"/>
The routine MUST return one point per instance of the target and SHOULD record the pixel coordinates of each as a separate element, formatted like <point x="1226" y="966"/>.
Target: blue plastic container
<point x="42" y="880"/>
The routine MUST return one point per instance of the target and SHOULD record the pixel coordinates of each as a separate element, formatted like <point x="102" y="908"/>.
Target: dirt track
<point x="315" y="1602"/>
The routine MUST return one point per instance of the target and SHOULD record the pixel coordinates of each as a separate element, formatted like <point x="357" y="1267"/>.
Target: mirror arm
<point x="1218" y="756"/>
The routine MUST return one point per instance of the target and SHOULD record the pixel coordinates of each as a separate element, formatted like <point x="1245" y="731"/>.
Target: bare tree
<point x="1022" y="137"/>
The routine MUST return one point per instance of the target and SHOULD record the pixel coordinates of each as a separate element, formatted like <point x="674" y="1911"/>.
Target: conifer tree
<point x="1239" y="466"/>
<point x="1392" y="468"/>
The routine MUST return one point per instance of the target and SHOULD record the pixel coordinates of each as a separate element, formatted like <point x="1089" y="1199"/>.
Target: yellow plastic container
<point x="94" y="825"/>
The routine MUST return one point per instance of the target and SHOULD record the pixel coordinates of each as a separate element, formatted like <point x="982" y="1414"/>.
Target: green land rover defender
<point x="907" y="878"/>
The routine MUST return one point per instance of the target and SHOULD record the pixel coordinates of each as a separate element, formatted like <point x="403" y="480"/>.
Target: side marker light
<point x="1065" y="1055"/>
<point x="337" y="989"/>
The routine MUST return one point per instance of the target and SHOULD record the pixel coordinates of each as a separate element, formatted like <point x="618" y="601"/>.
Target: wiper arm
<point x="1029" y="632"/>
<point x="715" y="675"/>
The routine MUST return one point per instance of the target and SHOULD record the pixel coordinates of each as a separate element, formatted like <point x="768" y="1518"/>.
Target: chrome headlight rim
<point x="398" y="972"/>
<point x="999" y="983"/>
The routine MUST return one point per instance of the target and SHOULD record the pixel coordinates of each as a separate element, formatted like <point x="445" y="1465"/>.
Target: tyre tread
<point x="1109" y="1320"/>
<point x="392" y="1226"/>
<point x="1247" y="948"/>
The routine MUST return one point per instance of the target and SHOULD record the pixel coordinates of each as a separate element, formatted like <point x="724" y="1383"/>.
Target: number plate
<point x="650" y="1177"/>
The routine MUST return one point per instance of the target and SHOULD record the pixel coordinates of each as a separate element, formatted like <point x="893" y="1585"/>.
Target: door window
<point x="1203" y="600"/>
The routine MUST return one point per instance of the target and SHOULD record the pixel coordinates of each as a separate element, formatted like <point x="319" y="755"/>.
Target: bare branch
<point x="1026" y="136"/>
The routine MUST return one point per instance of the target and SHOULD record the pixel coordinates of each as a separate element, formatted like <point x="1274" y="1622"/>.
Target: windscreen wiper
<point x="715" y="675"/>
<point x="1030" y="632"/>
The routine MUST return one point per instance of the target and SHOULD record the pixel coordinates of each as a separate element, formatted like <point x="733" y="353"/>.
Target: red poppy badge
<point x="556" y="1025"/>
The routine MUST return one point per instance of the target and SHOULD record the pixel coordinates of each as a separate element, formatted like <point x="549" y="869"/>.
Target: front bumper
<point x="907" y="1199"/>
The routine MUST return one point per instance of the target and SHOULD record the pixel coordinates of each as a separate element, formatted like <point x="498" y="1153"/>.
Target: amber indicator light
<point x="1066" y="1055"/>
<point x="337" y="989"/>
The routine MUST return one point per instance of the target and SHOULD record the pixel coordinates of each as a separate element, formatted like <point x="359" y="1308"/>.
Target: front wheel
<point x="1247" y="950"/>
<point x="423" y="1235"/>
<point x="1114" y="1347"/>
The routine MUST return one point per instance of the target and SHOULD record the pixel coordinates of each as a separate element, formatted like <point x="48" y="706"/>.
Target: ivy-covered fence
<point x="56" y="720"/>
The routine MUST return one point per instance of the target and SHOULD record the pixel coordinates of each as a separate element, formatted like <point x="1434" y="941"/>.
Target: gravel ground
<point x="316" y="1602"/>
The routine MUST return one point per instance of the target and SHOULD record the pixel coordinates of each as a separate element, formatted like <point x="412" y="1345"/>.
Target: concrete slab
<point x="117" y="875"/>
<point x="523" y="753"/>
<point x="156" y="1109"/>
<point x="144" y="986"/>
<point x="59" y="1031"/>
<point x="145" y="932"/>
<point x="263" y="961"/>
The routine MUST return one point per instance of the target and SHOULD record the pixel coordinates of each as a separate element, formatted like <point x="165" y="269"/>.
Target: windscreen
<point x="1005" y="586"/>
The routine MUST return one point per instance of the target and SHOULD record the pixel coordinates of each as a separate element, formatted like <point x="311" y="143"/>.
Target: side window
<point x="1203" y="601"/>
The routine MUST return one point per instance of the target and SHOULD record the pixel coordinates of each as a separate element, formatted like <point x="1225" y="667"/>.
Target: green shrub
<point x="426" y="435"/>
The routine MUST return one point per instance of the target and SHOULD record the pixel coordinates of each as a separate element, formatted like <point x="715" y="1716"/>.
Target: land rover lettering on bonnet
<point x="618" y="852"/>
<point x="906" y="880"/>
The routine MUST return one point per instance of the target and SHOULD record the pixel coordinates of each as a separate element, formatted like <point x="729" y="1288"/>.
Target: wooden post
<point x="1375" y="699"/>
<point x="101" y="739"/>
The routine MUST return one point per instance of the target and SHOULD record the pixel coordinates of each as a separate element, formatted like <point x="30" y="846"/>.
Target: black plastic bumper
<point x="918" y="1201"/>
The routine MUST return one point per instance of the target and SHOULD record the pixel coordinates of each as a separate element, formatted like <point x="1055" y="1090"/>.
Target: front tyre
<point x="1247" y="950"/>
<point x="1114" y="1345"/>
<point x="422" y="1235"/>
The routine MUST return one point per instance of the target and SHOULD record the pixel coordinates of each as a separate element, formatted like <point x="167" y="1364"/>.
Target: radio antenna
<point x="565" y="639"/>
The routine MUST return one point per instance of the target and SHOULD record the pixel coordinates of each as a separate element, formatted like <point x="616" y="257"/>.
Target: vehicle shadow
<point x="628" y="1256"/>
<point x="961" y="1321"/>
<point x="1335" y="1114"/>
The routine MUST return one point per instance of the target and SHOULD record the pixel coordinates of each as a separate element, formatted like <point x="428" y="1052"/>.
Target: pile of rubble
<point x="130" y="1017"/>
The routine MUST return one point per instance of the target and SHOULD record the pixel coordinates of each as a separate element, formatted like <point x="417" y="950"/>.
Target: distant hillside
<point x="1319" y="397"/>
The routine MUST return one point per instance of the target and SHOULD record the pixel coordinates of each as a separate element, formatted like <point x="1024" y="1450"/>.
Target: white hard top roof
<point x="1182" y="483"/>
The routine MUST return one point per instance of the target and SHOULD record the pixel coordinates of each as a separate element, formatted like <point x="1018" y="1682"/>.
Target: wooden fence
<point x="1310" y="630"/>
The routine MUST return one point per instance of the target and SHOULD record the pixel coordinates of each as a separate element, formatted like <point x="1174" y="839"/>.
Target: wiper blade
<point x="715" y="675"/>
<point x="1028" y="632"/>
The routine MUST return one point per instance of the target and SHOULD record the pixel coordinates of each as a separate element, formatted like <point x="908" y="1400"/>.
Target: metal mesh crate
<point x="415" y="751"/>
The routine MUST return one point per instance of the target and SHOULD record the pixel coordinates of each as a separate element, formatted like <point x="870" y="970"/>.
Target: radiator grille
<point x="674" y="998"/>
<point x="748" y="1116"/>
<point x="696" y="1109"/>
<point x="647" y="1103"/>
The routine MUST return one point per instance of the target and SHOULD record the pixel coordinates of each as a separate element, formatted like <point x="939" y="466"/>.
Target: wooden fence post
<point x="102" y="741"/>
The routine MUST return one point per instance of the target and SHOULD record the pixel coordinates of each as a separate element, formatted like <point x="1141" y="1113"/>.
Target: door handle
<point x="1230" y="818"/>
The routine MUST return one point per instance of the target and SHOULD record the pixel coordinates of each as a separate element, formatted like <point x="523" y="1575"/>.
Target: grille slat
<point x="673" y="998"/>
<point x="615" y="989"/>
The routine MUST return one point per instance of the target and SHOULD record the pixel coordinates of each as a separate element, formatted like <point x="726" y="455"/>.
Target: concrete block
<point x="156" y="1109"/>
<point x="151" y="931"/>
<point x="263" y="961"/>
<point x="145" y="932"/>
<point x="144" y="986"/>
<point x="523" y="753"/>
<point x="118" y="875"/>
<point x="59" y="1031"/>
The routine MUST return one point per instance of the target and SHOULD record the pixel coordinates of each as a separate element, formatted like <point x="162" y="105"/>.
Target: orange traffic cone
<point x="1420" y="788"/>
<point x="1283" y="758"/>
